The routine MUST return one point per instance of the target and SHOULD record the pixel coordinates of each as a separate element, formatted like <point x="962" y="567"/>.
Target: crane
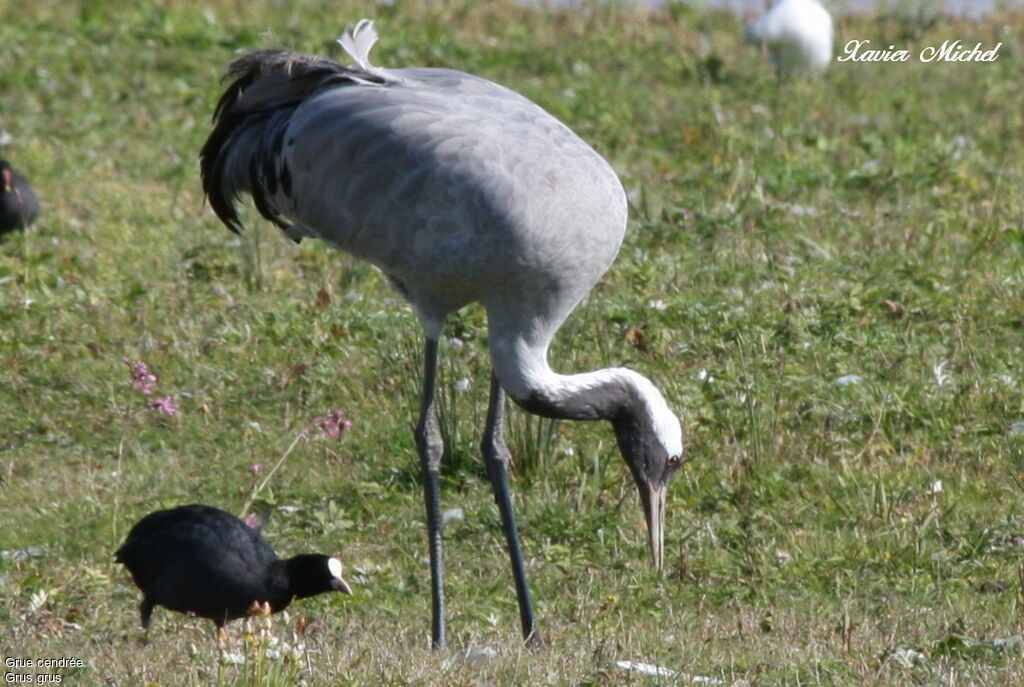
<point x="460" y="191"/>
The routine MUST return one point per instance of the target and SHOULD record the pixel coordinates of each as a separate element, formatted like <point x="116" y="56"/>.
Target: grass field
<point x="825" y="279"/>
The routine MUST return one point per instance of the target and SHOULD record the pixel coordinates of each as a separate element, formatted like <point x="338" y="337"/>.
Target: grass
<point x="782" y="237"/>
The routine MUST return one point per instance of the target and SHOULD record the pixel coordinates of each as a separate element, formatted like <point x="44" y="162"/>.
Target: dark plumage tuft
<point x="245" y="150"/>
<point x="19" y="206"/>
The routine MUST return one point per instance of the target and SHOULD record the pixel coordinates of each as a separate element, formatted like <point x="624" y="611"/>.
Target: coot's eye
<point x="672" y="462"/>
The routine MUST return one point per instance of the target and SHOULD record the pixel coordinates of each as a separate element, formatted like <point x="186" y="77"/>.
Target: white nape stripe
<point x="666" y="425"/>
<point x="534" y="373"/>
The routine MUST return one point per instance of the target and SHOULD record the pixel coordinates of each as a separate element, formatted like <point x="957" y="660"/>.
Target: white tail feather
<point x="359" y="43"/>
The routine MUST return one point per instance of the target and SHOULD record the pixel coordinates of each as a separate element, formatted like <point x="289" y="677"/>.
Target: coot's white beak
<point x="339" y="584"/>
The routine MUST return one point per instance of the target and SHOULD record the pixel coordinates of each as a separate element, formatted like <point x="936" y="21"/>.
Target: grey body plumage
<point x="434" y="191"/>
<point x="461" y="191"/>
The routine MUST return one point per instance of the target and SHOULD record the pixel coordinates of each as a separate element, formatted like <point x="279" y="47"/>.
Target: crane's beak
<point x="653" y="498"/>
<point x="340" y="585"/>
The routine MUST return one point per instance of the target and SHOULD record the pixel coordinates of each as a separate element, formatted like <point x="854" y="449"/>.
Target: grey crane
<point x="460" y="191"/>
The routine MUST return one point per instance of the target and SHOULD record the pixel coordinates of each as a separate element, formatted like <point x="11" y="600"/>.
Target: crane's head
<point x="651" y="440"/>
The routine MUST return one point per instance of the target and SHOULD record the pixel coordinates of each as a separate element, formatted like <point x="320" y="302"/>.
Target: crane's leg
<point x="496" y="458"/>
<point x="431" y="448"/>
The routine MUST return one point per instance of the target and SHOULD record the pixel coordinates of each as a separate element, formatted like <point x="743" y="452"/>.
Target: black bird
<point x="18" y="203"/>
<point x="205" y="562"/>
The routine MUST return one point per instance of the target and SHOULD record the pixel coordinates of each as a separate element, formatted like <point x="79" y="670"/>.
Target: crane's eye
<point x="672" y="462"/>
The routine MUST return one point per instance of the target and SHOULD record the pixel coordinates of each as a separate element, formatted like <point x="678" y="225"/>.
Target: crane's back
<point x="459" y="189"/>
<point x="448" y="179"/>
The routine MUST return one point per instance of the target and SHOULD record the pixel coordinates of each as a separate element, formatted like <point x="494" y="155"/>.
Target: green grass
<point x="781" y="237"/>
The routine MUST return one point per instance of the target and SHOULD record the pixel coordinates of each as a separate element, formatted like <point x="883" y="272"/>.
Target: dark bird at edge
<point x="19" y="205"/>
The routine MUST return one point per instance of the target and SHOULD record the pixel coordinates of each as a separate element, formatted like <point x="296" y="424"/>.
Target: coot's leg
<point x="145" y="611"/>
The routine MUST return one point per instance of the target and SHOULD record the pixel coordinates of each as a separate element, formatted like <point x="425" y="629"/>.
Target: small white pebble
<point x="452" y="515"/>
<point x="646" y="669"/>
<point x="798" y="210"/>
<point x="473" y="656"/>
<point x="907" y="657"/>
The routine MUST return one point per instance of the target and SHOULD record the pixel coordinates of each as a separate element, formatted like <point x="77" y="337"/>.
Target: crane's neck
<point x="626" y="398"/>
<point x="610" y="394"/>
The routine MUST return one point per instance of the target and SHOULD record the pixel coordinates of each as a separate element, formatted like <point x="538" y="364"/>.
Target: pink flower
<point x="334" y="423"/>
<point x="164" y="405"/>
<point x="142" y="378"/>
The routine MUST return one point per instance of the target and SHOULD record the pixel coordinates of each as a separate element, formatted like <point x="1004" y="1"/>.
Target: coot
<point x="206" y="562"/>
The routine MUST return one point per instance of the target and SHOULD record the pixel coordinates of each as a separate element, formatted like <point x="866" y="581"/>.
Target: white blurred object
<point x="473" y="656"/>
<point x="646" y="669"/>
<point x="452" y="515"/>
<point x="907" y="658"/>
<point x="662" y="672"/>
<point x="797" y="35"/>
